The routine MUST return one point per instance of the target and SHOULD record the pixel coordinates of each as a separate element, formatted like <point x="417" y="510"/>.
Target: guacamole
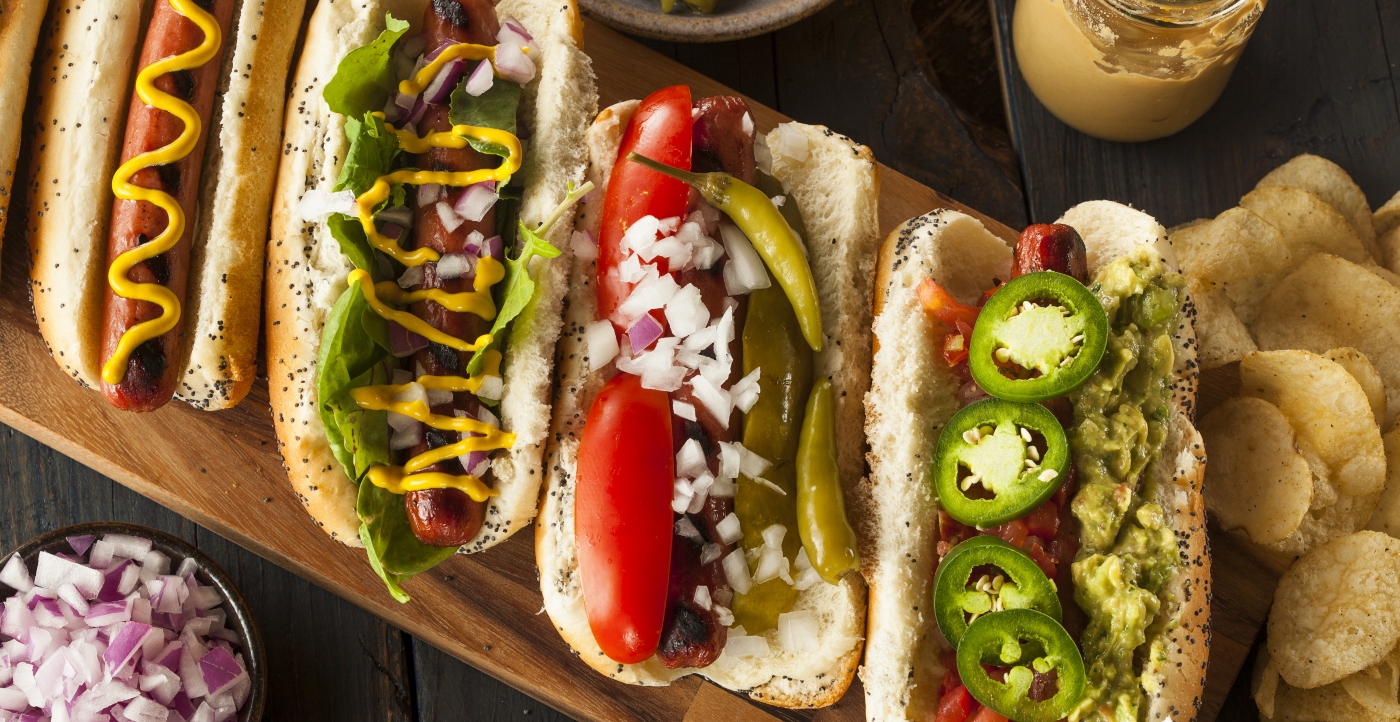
<point x="1121" y="416"/>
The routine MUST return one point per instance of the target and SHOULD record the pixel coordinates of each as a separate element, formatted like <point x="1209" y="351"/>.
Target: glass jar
<point x="1130" y="70"/>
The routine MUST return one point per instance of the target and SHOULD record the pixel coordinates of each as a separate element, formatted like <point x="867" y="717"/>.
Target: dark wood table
<point x="918" y="82"/>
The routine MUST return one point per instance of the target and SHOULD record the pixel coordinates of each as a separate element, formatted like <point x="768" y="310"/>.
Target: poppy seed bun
<point x="307" y="272"/>
<point x="913" y="394"/>
<point x="19" y="33"/>
<point x="836" y="187"/>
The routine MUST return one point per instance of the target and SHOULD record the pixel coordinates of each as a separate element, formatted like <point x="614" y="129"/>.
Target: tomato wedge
<point x="622" y="517"/>
<point x="660" y="129"/>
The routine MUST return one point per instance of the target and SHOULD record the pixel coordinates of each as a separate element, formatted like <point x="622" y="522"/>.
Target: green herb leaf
<point x="365" y="79"/>
<point x="494" y="108"/>
<point x="348" y="232"/>
<point x="519" y="290"/>
<point x="354" y="341"/>
<point x="394" y="552"/>
<point x="372" y="149"/>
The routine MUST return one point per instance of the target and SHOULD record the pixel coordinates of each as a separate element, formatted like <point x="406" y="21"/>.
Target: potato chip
<point x="1309" y="224"/>
<point x="1236" y="244"/>
<point x="1335" y="611"/>
<point x="1330" y="414"/>
<point x="1386" y="518"/>
<point x="1255" y="478"/>
<point x="1329" y="182"/>
<point x="1389" y="244"/>
<point x="1328" y="703"/>
<point x="1264" y="683"/>
<point x="1365" y="374"/>
<point x="1377" y="688"/>
<point x="1387" y="217"/>
<point x="1330" y="303"/>
<point x="1221" y="336"/>
<point x="1390" y="276"/>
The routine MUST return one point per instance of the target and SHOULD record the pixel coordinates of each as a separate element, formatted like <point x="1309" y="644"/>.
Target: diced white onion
<point x="401" y="376"/>
<point x="724" y="335"/>
<point x="746" y="646"/>
<point x="770" y="485"/>
<point x="723" y="488"/>
<point x="702" y="597"/>
<point x="798" y="631"/>
<point x="639" y="237"/>
<point x="676" y="253"/>
<point x="438" y="397"/>
<point x="583" y="246"/>
<point x="655" y="366"/>
<point x="736" y="571"/>
<point x="453" y="265"/>
<point x="317" y="204"/>
<point x="745" y="391"/>
<point x="724" y="616"/>
<point x="802" y="563"/>
<point x="792" y="142"/>
<point x="710" y="552"/>
<point x="399" y="422"/>
<point x="751" y="464"/>
<point x="650" y="294"/>
<point x="778" y="200"/>
<point x="773" y="536"/>
<point x="668" y="226"/>
<point x="745" y="271"/>
<point x="690" y="460"/>
<point x="413" y="392"/>
<point x="480" y="80"/>
<point x="729" y="529"/>
<point x="601" y="342"/>
<point x="682" y="409"/>
<point x="714" y="399"/>
<point x="763" y="158"/>
<point x="631" y="269"/>
<point x="492" y="388"/>
<point x="680" y="495"/>
<point x="686" y="528"/>
<point x="770" y="564"/>
<point x="407" y="438"/>
<point x="806" y="579"/>
<point x="747" y="124"/>
<point x="686" y="312"/>
<point x="702" y="339"/>
<point x="730" y="459"/>
<point x="700" y="488"/>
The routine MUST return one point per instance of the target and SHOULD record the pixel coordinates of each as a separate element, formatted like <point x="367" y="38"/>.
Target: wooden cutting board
<point x="222" y="470"/>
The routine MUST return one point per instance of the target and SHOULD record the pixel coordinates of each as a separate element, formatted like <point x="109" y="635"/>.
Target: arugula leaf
<point x="372" y="149"/>
<point x="348" y="232"/>
<point x="353" y="342"/>
<point x="365" y="79"/>
<point x="494" y="108"/>
<point x="519" y="290"/>
<point x="394" y="552"/>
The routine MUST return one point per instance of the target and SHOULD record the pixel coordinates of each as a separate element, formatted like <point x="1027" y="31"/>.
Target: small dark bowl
<point x="733" y="20"/>
<point x="240" y="619"/>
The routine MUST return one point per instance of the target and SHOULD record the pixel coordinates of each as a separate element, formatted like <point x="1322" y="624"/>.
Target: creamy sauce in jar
<point x="1128" y="70"/>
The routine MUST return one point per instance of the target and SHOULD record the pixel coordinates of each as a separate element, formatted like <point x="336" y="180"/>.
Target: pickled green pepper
<point x="821" y="504"/>
<point x="773" y="342"/>
<point x="777" y="244"/>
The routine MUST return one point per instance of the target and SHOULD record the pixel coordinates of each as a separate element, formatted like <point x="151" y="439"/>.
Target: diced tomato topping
<point x="1044" y="521"/>
<point x="956" y="705"/>
<point x="954" y="348"/>
<point x="1036" y="549"/>
<point x="987" y="715"/>
<point x="1013" y="531"/>
<point x="944" y="307"/>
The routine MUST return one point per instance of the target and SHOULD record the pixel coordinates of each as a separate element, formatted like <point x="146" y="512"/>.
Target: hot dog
<point x="690" y="426"/>
<point x="418" y="432"/>
<point x="1033" y="482"/>
<point x="146" y="277"/>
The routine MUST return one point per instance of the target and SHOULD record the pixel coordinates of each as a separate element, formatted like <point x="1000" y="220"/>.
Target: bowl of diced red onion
<point x="113" y="622"/>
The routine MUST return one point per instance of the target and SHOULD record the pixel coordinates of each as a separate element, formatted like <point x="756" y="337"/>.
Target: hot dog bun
<point x="87" y="69"/>
<point x="912" y="395"/>
<point x="836" y="187"/>
<point x="19" y="33"/>
<point x="307" y="271"/>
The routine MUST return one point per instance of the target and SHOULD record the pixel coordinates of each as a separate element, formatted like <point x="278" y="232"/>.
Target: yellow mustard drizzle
<point x="489" y="272"/>
<point x="455" y="138"/>
<point x="117" y="275"/>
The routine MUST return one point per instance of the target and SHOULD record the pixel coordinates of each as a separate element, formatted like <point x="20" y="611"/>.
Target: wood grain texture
<point x="221" y="470"/>
<point x="1319" y="76"/>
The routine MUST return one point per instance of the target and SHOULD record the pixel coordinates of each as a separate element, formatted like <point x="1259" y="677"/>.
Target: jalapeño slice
<point x="1039" y="336"/>
<point x="964" y="585"/>
<point x="1024" y="640"/>
<point x="999" y="460"/>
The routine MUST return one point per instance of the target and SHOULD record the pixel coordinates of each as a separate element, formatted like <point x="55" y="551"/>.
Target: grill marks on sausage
<point x="452" y="12"/>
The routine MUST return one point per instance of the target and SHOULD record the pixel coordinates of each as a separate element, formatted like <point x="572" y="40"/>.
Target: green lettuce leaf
<point x="348" y="232"/>
<point x="494" y="108"/>
<point x="372" y="149"/>
<point x="365" y="79"/>
<point x="519" y="290"/>
<point x="355" y="340"/>
<point x="394" y="552"/>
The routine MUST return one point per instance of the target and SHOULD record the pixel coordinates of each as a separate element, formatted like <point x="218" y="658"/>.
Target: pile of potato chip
<point x="1332" y="650"/>
<point x="1290" y="285"/>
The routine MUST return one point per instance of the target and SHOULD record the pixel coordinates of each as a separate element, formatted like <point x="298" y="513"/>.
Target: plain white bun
<point x="836" y="187"/>
<point x="913" y="394"/>
<point x="307" y="271"/>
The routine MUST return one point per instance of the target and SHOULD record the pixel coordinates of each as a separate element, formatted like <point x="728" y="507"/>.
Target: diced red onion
<point x="125" y="644"/>
<point x="187" y="567"/>
<point x="54" y="572"/>
<point x="74" y="598"/>
<point x="450" y="220"/>
<point x="480" y="80"/>
<point x="476" y="201"/>
<point x="112" y="580"/>
<point x="474" y="243"/>
<point x="513" y="30"/>
<point x="412" y="276"/>
<point x="430" y="57"/>
<point x="584" y="246"/>
<point x="131" y="576"/>
<point x="399" y="215"/>
<point x="106" y="614"/>
<point x="408" y="438"/>
<point x="601" y="340"/>
<point x="644" y="332"/>
<point x="513" y="64"/>
<point x="438" y="397"/>
<point x="420" y="108"/>
<point x="456" y="265"/>
<point x="442" y="86"/>
<point x="403" y="342"/>
<point x="131" y="547"/>
<point x="15" y="575"/>
<point x="220" y="671"/>
<point x="81" y="544"/>
<point x="205" y="598"/>
<point x="411" y="46"/>
<point x="141" y="709"/>
<point x="392" y="231"/>
<point x="102" y="555"/>
<point x="428" y="194"/>
<point x="494" y="248"/>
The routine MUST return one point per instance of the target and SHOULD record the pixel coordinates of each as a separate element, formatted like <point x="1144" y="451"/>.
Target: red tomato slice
<point x="660" y="129"/>
<point x="622" y="517"/>
<point x="955" y="706"/>
<point x="987" y="715"/>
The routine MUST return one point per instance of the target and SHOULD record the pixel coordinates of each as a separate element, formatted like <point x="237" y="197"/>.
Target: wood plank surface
<point x="1319" y="76"/>
<point x="221" y="471"/>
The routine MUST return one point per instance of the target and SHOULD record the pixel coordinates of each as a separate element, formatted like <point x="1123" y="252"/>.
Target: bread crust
<point x="839" y="184"/>
<point x="19" y="34"/>
<point x="88" y="65"/>
<point x="307" y="271"/>
<point x="911" y="388"/>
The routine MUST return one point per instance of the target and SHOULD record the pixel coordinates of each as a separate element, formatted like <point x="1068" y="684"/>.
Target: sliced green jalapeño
<point x="965" y="586"/>
<point x="1024" y="640"/>
<point x="1039" y="336"/>
<point x="999" y="460"/>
